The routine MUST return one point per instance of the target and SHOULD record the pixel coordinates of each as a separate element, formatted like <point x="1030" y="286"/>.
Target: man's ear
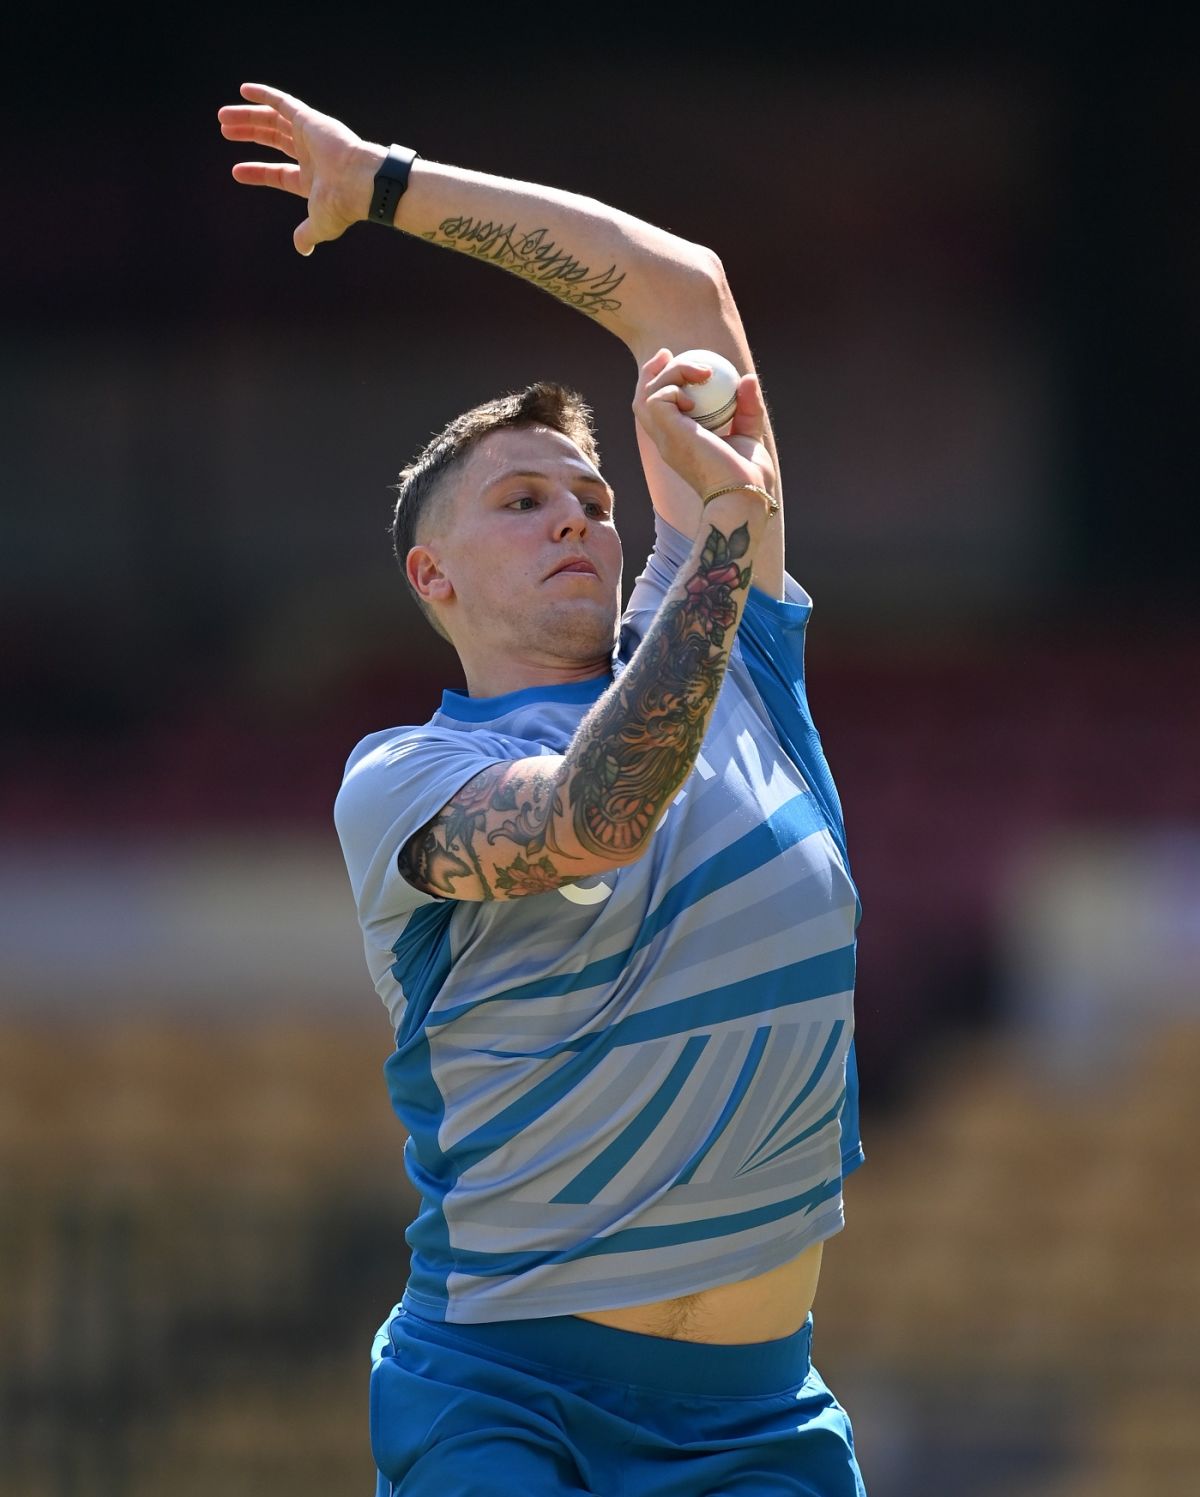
<point x="426" y="576"/>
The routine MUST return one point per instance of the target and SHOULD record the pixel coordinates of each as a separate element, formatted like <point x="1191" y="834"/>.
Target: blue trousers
<point x="562" y="1407"/>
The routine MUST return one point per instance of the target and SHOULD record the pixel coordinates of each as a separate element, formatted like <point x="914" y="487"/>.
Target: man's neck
<point x="494" y="678"/>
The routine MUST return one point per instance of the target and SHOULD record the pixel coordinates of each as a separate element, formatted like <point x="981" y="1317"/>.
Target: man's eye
<point x="522" y="501"/>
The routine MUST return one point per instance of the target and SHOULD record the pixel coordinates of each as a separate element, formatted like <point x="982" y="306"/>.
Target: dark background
<point x="964" y="241"/>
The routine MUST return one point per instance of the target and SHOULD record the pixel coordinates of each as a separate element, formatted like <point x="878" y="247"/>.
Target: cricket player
<point x="604" y="894"/>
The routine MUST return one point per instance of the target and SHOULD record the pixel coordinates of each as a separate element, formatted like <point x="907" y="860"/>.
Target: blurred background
<point x="965" y="243"/>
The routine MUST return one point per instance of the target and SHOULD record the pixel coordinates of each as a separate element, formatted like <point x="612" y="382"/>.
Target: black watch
<point x="390" y="181"/>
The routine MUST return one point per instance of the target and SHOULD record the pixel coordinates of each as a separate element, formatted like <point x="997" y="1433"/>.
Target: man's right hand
<point x="701" y="458"/>
<point x="331" y="166"/>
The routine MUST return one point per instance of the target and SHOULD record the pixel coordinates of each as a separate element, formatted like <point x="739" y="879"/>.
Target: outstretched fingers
<point x="318" y="145"/>
<point x="259" y="123"/>
<point x="259" y="93"/>
<point x="269" y="174"/>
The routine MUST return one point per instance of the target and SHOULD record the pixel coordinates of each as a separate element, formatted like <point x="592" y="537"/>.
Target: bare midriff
<point x="765" y="1308"/>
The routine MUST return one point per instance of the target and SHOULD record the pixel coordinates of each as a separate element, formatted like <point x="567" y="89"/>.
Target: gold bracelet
<point x="753" y="488"/>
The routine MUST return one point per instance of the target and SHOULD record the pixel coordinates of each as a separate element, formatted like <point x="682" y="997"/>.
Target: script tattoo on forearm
<point x="628" y="759"/>
<point x="641" y="744"/>
<point x="534" y="256"/>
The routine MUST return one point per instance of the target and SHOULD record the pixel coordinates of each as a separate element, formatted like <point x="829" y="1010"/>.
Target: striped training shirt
<point x="641" y="1085"/>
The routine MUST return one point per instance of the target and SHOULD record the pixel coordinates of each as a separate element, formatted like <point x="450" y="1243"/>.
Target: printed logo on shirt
<point x="586" y="891"/>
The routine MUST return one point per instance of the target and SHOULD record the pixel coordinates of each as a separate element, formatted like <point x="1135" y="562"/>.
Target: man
<point x="605" y="896"/>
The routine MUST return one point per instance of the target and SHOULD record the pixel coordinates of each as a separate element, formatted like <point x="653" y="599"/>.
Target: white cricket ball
<point x="716" y="398"/>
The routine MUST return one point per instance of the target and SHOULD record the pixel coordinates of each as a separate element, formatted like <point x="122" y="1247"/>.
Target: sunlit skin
<point x="764" y="1308"/>
<point x="521" y="561"/>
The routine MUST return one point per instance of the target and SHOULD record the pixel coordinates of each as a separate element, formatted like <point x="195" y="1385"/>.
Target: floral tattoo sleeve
<point x="503" y="833"/>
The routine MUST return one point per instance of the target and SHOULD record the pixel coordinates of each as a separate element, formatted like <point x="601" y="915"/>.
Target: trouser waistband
<point x="588" y="1350"/>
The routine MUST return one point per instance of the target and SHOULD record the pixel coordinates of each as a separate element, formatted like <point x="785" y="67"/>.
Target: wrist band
<point x="390" y="181"/>
<point x="753" y="488"/>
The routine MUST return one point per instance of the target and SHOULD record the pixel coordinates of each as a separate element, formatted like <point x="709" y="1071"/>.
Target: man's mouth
<point x="576" y="564"/>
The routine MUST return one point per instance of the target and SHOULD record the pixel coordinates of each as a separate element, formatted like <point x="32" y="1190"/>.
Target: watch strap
<point x="390" y="182"/>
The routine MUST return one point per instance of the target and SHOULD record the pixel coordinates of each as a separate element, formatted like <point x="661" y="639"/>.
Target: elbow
<point x="690" y="304"/>
<point x="706" y="299"/>
<point x="688" y="269"/>
<point x="707" y="275"/>
<point x="709" y="264"/>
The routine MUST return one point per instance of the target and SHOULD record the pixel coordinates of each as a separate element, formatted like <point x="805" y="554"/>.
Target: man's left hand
<point x="331" y="166"/>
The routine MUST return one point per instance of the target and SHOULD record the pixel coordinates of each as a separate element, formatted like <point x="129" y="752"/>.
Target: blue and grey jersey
<point x="641" y="1085"/>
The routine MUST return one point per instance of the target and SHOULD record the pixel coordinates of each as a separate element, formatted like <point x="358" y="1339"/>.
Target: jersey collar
<point x="464" y="708"/>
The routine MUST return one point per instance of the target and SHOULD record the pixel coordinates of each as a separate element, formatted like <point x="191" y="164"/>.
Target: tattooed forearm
<point x="503" y="801"/>
<point x="639" y="744"/>
<point x="535" y="257"/>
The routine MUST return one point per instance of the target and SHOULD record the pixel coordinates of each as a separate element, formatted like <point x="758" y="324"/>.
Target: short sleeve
<point x="394" y="784"/>
<point x="671" y="550"/>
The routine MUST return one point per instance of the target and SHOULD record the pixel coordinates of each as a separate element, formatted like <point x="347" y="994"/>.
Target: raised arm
<point x="649" y="288"/>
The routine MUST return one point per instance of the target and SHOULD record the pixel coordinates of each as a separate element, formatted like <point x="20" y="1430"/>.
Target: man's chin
<point x="578" y="630"/>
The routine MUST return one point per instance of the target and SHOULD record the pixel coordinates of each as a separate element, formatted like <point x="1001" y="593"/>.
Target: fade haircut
<point x="422" y="482"/>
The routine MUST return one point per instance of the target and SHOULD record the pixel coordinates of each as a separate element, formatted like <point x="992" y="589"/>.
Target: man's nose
<point x="570" y="518"/>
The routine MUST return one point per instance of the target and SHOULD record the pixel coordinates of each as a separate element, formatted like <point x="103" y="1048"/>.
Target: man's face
<point x="525" y="541"/>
